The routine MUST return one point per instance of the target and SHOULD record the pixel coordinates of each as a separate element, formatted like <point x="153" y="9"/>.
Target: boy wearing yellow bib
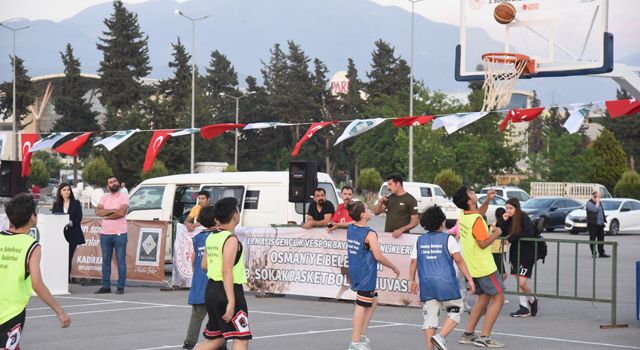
<point x="224" y="262"/>
<point x="20" y="272"/>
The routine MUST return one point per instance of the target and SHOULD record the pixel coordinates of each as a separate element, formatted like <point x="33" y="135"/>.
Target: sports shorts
<point x="216" y="302"/>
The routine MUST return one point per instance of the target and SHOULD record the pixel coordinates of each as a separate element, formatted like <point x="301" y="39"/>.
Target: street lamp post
<point x="193" y="79"/>
<point x="15" y="119"/>
<point x="235" y="153"/>
<point x="413" y="3"/>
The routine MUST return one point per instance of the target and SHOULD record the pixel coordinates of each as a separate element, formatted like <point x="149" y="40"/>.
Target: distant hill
<point x="245" y="30"/>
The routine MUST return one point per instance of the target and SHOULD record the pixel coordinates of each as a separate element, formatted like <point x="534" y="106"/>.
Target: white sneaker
<point x="439" y="342"/>
<point x="366" y="341"/>
<point x="357" y="346"/>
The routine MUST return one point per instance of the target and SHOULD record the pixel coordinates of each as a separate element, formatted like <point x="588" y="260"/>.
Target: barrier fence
<point x="575" y="294"/>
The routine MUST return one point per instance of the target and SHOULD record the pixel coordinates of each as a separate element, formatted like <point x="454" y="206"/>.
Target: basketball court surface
<point x="146" y="318"/>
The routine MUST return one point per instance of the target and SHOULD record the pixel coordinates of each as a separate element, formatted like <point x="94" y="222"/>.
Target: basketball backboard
<point x="564" y="37"/>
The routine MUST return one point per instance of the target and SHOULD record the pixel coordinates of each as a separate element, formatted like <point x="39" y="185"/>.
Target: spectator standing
<point x="66" y="203"/>
<point x="320" y="211"/>
<point x="400" y="206"/>
<point x="123" y="188"/>
<point x="341" y="218"/>
<point x="113" y="210"/>
<point x="20" y="273"/>
<point x="595" y="223"/>
<point x="192" y="219"/>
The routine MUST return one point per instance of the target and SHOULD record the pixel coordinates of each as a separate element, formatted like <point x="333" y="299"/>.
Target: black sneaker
<point x="188" y="345"/>
<point x="120" y="291"/>
<point x="605" y="255"/>
<point x="522" y="312"/>
<point x="103" y="290"/>
<point x="533" y="306"/>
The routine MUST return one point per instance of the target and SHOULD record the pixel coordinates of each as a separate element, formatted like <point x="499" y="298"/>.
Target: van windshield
<point x="147" y="197"/>
<point x="331" y="196"/>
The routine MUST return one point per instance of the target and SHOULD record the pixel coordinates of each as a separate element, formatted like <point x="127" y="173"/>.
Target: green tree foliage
<point x="25" y="94"/>
<point x="389" y="74"/>
<point x="448" y="180"/>
<point x="369" y="179"/>
<point x="157" y="169"/>
<point x="39" y="174"/>
<point x="535" y="140"/>
<point x="96" y="171"/>
<point x="75" y="112"/>
<point x="568" y="161"/>
<point x="125" y="61"/>
<point x="50" y="162"/>
<point x="610" y="159"/>
<point x="628" y="186"/>
<point x="627" y="130"/>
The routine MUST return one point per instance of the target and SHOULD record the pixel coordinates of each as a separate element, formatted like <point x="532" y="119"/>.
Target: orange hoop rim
<point x="511" y="58"/>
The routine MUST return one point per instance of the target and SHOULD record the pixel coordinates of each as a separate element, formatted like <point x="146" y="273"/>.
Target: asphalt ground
<point x="146" y="318"/>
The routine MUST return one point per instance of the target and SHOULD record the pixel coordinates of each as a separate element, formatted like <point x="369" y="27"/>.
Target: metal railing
<point x="574" y="294"/>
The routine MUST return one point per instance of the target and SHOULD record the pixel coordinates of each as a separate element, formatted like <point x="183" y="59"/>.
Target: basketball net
<point x="501" y="72"/>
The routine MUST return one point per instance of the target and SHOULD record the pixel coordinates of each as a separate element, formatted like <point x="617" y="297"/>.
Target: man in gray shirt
<point x="595" y="223"/>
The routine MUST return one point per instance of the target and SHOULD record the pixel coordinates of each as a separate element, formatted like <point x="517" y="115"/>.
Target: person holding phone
<point x="595" y="223"/>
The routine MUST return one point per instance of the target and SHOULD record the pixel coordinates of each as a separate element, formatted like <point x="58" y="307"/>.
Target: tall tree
<point x="75" y="112"/>
<point x="627" y="130"/>
<point x="25" y="94"/>
<point x="535" y="141"/>
<point x="125" y="61"/>
<point x="610" y="162"/>
<point x="389" y="74"/>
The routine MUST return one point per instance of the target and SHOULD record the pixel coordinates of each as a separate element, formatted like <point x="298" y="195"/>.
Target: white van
<point x="262" y="195"/>
<point x="427" y="195"/>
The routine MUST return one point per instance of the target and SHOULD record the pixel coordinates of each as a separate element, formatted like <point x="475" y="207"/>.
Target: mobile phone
<point x="330" y="225"/>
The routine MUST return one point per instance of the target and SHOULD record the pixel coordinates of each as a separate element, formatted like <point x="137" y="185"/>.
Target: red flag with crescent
<point x="26" y="141"/>
<point x="520" y="115"/>
<point x="307" y="135"/>
<point x="412" y="121"/>
<point x="157" y="141"/>
<point x="211" y="131"/>
<point x="618" y="108"/>
<point x="72" y="146"/>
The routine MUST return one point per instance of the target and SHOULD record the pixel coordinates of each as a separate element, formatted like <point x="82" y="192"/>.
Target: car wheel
<point x="614" y="227"/>
<point x="550" y="229"/>
<point x="574" y="232"/>
<point x="541" y="223"/>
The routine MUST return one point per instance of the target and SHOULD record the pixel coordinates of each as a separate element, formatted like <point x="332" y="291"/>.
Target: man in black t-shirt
<point x="320" y="211"/>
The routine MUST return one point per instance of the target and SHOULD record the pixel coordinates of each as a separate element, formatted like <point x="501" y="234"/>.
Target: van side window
<point x="219" y="192"/>
<point x="147" y="197"/>
<point x="439" y="192"/>
<point x="425" y="192"/>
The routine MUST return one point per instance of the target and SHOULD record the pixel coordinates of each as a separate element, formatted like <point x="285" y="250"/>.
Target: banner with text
<point x="292" y="260"/>
<point x="145" y="251"/>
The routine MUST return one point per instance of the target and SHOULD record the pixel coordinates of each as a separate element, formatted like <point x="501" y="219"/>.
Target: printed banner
<point x="145" y="251"/>
<point x="183" y="254"/>
<point x="292" y="260"/>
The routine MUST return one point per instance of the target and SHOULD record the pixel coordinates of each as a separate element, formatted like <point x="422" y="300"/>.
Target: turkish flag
<point x="72" y="146"/>
<point x="211" y="131"/>
<point x="307" y="135"/>
<point x="412" y="121"/>
<point x="520" y="115"/>
<point x="27" y="140"/>
<point x="618" y="108"/>
<point x="157" y="141"/>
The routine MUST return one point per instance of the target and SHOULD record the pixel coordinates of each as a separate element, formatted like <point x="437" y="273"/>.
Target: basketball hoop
<point x="501" y="71"/>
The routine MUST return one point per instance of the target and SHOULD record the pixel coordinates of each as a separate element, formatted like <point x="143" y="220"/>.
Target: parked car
<point x="508" y="192"/>
<point x="549" y="213"/>
<point x="496" y="202"/>
<point x="623" y="215"/>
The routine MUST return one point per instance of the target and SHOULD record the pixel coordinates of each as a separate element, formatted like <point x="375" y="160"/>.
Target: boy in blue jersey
<point x="364" y="256"/>
<point x="199" y="278"/>
<point x="433" y="259"/>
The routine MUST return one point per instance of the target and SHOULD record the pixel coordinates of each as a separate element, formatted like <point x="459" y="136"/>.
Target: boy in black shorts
<point x="224" y="262"/>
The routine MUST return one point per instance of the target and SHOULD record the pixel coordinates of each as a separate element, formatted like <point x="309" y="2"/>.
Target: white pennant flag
<point x="264" y="125"/>
<point x="455" y="122"/>
<point x="116" y="139"/>
<point x="184" y="132"/>
<point x="48" y="142"/>
<point x="357" y="127"/>
<point x="576" y="117"/>
<point x="3" y="143"/>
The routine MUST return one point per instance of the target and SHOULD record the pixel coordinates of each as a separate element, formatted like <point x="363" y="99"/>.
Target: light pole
<point x="235" y="153"/>
<point x="413" y="3"/>
<point x="193" y="78"/>
<point x="15" y="119"/>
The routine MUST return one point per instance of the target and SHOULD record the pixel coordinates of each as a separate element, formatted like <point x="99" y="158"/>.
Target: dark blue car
<point x="548" y="213"/>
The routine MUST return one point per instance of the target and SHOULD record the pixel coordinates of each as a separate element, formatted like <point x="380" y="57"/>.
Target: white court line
<point x="97" y="311"/>
<point x="344" y="318"/>
<point x="287" y="335"/>
<point x="68" y="306"/>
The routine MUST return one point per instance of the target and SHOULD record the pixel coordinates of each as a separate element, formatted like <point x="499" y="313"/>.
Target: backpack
<point x="541" y="252"/>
